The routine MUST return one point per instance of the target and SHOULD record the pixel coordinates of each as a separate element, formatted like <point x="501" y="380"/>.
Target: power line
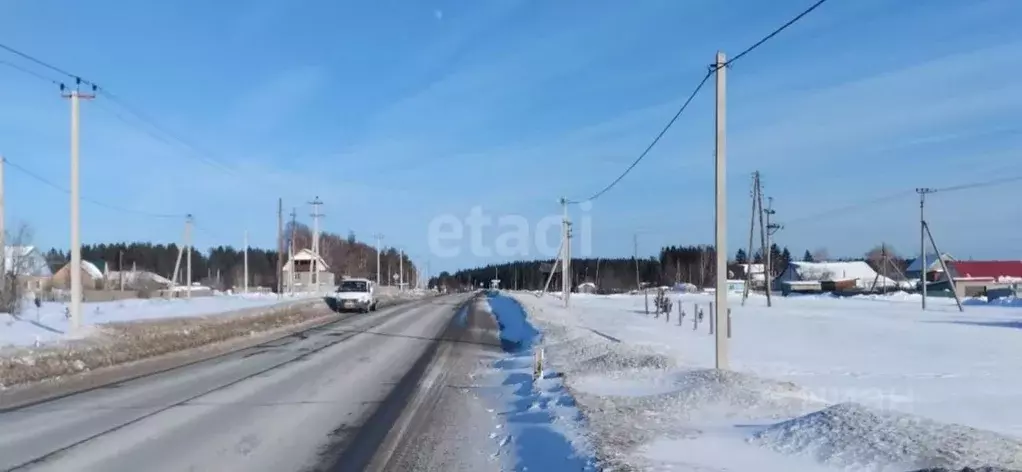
<point x="167" y="138"/>
<point x="53" y="185"/>
<point x="985" y="183"/>
<point x="774" y="33"/>
<point x="30" y="72"/>
<point x="713" y="69"/>
<point x="650" y="146"/>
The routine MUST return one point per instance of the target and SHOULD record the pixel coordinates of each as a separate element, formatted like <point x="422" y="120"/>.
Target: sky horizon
<point x="400" y="116"/>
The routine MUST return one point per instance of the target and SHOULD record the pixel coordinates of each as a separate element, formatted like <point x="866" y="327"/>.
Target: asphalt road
<point x="323" y="400"/>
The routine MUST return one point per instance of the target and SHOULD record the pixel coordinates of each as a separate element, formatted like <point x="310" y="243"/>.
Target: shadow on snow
<point x="538" y="446"/>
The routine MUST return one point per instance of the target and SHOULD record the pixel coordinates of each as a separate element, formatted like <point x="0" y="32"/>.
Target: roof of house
<point x="139" y="276"/>
<point x="33" y="263"/>
<point x="757" y="271"/>
<point x="830" y="271"/>
<point x="994" y="269"/>
<point x="307" y="255"/>
<point x="915" y="265"/>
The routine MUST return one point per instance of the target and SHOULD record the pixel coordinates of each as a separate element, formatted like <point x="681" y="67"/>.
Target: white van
<point x="356" y="294"/>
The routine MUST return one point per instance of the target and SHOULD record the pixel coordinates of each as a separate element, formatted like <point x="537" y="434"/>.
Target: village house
<point x="816" y="277"/>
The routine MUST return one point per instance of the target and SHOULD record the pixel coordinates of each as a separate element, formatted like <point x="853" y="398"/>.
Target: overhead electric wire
<point x="981" y="184"/>
<point x="167" y="138"/>
<point x="49" y="183"/>
<point x="713" y="69"/>
<point x="30" y="72"/>
<point x="651" y="144"/>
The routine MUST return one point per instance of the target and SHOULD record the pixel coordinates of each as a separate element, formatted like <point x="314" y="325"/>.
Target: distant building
<point x="586" y="287"/>
<point x="92" y="276"/>
<point x="831" y="277"/>
<point x="934" y="268"/>
<point x="299" y="271"/>
<point x="28" y="265"/>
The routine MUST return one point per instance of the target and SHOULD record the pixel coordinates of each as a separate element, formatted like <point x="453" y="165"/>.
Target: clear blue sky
<point x="397" y="112"/>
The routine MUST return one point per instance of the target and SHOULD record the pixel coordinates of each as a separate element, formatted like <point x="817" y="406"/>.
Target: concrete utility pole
<point x="316" y="215"/>
<point x="188" y="266"/>
<point x="565" y="253"/>
<point x="3" y="227"/>
<point x="720" y="217"/>
<point x="245" y="286"/>
<point x="76" y="244"/>
<point x="379" y="237"/>
<point x="635" y="257"/>
<point x="401" y="270"/>
<point x="291" y="251"/>
<point x="922" y="239"/>
<point x="280" y="247"/>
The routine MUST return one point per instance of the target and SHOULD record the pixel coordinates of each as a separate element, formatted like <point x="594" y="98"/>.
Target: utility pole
<point x="280" y="247"/>
<point x="401" y="271"/>
<point x="752" y="229"/>
<point x="565" y="253"/>
<point x="379" y="237"/>
<point x="245" y="286"/>
<point x="771" y="228"/>
<point x="76" y="244"/>
<point x="188" y="266"/>
<point x="316" y="215"/>
<point x="720" y="217"/>
<point x="3" y="227"/>
<point x="120" y="267"/>
<point x="922" y="240"/>
<point x="635" y="257"/>
<point x="291" y="251"/>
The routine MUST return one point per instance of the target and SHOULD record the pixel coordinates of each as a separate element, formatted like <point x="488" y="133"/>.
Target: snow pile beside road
<point x="851" y="435"/>
<point x="121" y="342"/>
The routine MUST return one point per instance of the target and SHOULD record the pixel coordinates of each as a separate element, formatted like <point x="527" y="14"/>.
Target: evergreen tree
<point x="807" y="257"/>
<point x="741" y="257"/>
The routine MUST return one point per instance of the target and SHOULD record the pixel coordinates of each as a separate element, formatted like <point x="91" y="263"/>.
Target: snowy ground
<point x="818" y="383"/>
<point x="49" y="323"/>
<point x="536" y="424"/>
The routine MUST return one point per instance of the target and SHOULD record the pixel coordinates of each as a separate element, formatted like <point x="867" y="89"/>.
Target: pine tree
<point x="807" y="257"/>
<point x="741" y="257"/>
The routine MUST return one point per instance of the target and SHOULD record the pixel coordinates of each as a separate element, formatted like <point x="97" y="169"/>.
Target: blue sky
<point x="396" y="113"/>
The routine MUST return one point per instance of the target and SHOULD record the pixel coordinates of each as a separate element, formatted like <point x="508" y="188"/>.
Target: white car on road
<point x="356" y="294"/>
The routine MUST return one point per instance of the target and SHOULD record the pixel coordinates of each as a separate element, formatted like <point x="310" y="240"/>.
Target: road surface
<point x="326" y="399"/>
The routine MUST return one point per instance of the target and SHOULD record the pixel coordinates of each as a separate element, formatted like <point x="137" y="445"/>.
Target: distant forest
<point x="222" y="267"/>
<point x="675" y="264"/>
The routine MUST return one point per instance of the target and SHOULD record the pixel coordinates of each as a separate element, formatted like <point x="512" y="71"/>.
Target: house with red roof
<point x="992" y="271"/>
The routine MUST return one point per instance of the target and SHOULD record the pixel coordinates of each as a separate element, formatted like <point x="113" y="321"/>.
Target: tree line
<point x="675" y="264"/>
<point x="222" y="267"/>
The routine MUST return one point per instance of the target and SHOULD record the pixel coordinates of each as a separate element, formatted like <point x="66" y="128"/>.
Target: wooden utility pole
<point x="752" y="226"/>
<point x="763" y="240"/>
<point x="280" y="247"/>
<point x="75" y="309"/>
<point x="720" y="215"/>
<point x="771" y="228"/>
<point x="922" y="240"/>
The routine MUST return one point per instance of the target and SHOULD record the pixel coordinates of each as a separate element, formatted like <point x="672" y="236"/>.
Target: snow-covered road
<point x="298" y="403"/>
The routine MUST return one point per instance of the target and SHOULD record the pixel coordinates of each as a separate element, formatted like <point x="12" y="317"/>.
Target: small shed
<point x="586" y="287"/>
<point x="92" y="276"/>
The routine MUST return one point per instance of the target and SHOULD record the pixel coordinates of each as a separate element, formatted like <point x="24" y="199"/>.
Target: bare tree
<point x="19" y="265"/>
<point x="820" y="254"/>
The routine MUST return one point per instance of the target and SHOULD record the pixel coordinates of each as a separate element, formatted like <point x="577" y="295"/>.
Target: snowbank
<point x="49" y="323"/>
<point x="849" y="435"/>
<point x="650" y="401"/>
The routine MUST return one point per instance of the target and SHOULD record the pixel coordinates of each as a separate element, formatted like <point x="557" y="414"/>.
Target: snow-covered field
<point x="49" y="323"/>
<point x="817" y="383"/>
